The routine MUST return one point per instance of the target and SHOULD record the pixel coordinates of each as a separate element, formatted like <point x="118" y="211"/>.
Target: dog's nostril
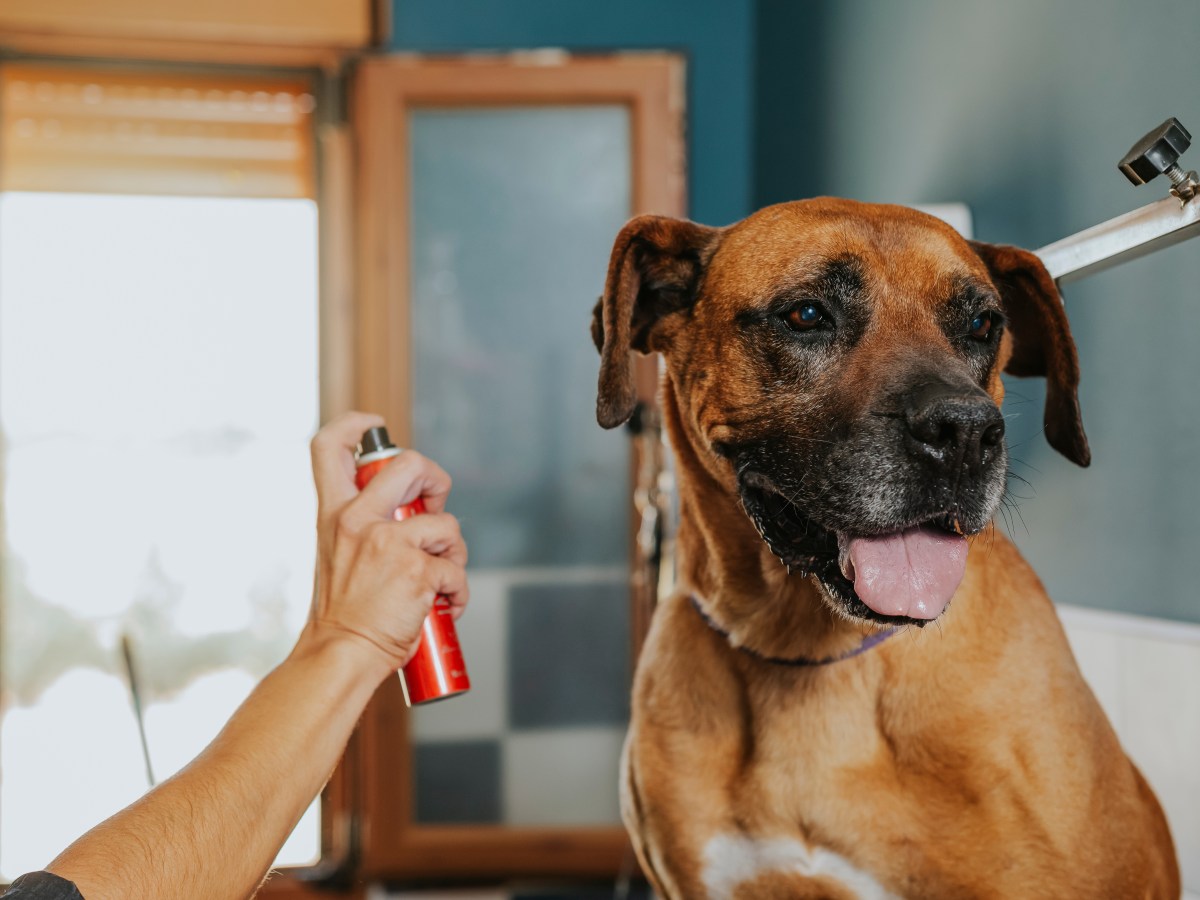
<point x="937" y="429"/>
<point x="955" y="429"/>
<point x="992" y="435"/>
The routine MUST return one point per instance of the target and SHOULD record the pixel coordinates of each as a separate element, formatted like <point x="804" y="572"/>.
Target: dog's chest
<point x="835" y="789"/>
<point x="739" y="865"/>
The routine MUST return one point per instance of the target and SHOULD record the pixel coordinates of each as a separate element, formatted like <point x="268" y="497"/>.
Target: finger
<point x="333" y="456"/>
<point x="437" y="534"/>
<point x="456" y="553"/>
<point x="448" y="579"/>
<point x="458" y="602"/>
<point x="407" y="477"/>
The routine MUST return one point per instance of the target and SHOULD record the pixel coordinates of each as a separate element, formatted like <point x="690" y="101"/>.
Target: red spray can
<point x="437" y="669"/>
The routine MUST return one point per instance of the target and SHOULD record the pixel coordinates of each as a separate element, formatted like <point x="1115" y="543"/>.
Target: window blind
<point x="100" y="131"/>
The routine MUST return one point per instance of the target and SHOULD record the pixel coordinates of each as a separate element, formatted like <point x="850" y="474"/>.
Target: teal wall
<point x="793" y="71"/>
<point x="717" y="37"/>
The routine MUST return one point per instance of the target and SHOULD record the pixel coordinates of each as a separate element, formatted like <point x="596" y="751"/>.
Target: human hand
<point x="377" y="578"/>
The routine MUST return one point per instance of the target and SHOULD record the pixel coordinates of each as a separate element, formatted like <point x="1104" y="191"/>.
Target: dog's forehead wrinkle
<point x="849" y="258"/>
<point x="967" y="285"/>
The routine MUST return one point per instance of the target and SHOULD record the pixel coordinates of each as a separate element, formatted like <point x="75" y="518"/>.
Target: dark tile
<point x="568" y="655"/>
<point x="458" y="781"/>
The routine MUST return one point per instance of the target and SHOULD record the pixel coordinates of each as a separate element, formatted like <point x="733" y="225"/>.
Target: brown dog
<point x="832" y="395"/>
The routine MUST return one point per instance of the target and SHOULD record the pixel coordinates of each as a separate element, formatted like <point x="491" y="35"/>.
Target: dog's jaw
<point x="809" y="549"/>
<point x="814" y="557"/>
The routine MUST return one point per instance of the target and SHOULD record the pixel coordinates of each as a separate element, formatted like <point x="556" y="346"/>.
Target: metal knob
<point x="1157" y="153"/>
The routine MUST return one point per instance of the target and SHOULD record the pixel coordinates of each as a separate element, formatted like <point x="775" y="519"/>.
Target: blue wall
<point x="793" y="68"/>
<point x="717" y="37"/>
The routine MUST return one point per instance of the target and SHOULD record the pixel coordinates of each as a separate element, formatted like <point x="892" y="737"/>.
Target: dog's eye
<point x="804" y="317"/>
<point x="982" y="325"/>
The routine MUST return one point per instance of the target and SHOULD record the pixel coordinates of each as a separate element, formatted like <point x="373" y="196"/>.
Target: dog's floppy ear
<point x="655" y="270"/>
<point x="1041" y="341"/>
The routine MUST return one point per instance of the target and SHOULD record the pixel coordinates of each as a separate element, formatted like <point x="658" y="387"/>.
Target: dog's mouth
<point x="899" y="576"/>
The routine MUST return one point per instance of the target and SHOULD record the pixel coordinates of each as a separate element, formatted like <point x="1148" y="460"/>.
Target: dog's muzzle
<point x="881" y="520"/>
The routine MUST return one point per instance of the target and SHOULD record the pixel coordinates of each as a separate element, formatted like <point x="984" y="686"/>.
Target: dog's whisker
<point x="1021" y="478"/>
<point x="1005" y="513"/>
<point x="1017" y="510"/>
<point x="1021" y="462"/>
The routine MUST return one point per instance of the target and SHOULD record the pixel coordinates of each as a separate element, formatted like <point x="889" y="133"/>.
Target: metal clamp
<point x="1157" y="153"/>
<point x="1153" y="227"/>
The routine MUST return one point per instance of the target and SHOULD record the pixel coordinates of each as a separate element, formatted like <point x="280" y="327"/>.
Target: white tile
<point x="562" y="776"/>
<point x="957" y="215"/>
<point x="483" y="632"/>
<point x="1146" y="672"/>
<point x="1170" y="630"/>
<point x="1096" y="652"/>
<point x="1161" y="733"/>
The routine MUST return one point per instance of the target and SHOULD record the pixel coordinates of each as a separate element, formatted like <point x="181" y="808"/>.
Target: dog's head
<point x="837" y="365"/>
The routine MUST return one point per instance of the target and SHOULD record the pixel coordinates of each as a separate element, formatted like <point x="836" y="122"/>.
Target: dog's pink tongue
<point x="911" y="573"/>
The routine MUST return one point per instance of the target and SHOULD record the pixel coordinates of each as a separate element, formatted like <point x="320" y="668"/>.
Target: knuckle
<point x="378" y="537"/>
<point x="324" y="435"/>
<point x="408" y="461"/>
<point x="450" y="574"/>
<point x="346" y="524"/>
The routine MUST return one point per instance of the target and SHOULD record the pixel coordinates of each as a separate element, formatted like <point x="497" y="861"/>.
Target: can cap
<point x="374" y="440"/>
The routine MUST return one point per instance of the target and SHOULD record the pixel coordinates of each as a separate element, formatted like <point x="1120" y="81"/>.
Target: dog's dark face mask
<point x="837" y="366"/>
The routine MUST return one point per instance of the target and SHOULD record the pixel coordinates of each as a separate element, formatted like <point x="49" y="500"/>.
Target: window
<point x="158" y="387"/>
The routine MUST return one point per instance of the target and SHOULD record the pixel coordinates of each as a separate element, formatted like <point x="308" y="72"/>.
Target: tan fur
<point x="965" y="759"/>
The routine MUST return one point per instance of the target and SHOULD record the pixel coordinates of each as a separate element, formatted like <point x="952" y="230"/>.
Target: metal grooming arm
<point x="1144" y="230"/>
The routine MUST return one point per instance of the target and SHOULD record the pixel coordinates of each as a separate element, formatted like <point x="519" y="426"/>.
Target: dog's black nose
<point x="954" y="427"/>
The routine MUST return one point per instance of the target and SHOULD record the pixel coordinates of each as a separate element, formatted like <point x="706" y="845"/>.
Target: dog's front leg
<point x="664" y="839"/>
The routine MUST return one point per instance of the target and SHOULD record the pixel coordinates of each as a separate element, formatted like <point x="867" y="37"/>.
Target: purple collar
<point x="868" y="642"/>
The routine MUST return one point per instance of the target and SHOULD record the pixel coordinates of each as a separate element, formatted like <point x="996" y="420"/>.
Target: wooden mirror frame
<point x="391" y="846"/>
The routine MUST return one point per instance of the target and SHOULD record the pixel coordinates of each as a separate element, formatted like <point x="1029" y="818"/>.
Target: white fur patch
<point x="732" y="859"/>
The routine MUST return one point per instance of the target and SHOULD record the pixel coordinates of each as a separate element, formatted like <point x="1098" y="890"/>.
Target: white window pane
<point x="158" y="386"/>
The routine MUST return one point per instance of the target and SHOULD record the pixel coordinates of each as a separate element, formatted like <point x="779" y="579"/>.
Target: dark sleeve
<point x="41" y="886"/>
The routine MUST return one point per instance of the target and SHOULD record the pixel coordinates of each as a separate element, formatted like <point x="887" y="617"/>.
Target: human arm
<point x="213" y="830"/>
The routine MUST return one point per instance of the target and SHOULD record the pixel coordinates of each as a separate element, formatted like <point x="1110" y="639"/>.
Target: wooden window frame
<point x="392" y="846"/>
